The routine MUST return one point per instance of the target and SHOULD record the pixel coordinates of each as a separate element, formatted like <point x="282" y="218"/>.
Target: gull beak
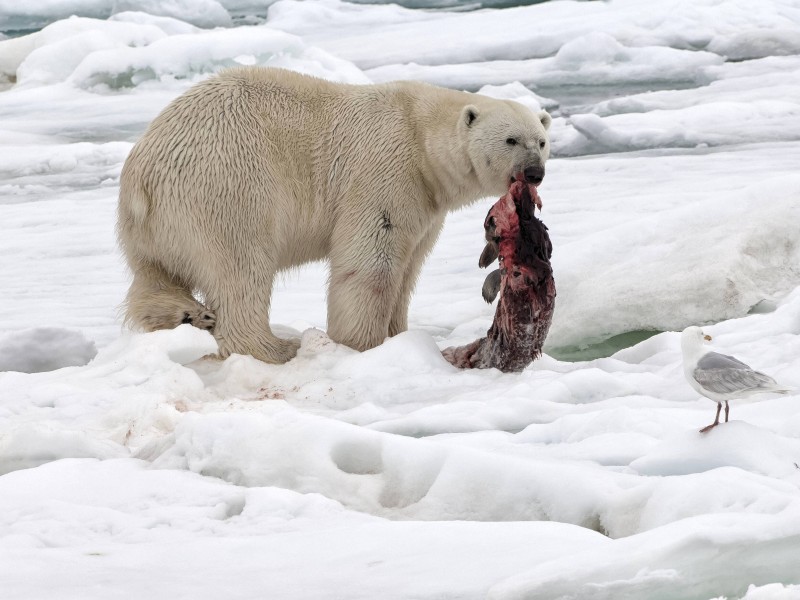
<point x="707" y="338"/>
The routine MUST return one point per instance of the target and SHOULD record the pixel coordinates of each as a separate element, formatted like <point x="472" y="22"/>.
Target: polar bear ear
<point x="469" y="114"/>
<point x="545" y="118"/>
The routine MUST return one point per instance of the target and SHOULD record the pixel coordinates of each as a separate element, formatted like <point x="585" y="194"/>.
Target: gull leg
<point x="727" y="410"/>
<point x="716" y="419"/>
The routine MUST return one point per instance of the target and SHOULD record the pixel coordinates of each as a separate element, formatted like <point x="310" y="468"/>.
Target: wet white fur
<point x="257" y="170"/>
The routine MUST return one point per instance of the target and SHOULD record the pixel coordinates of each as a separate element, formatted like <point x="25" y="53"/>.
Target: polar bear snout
<point x="534" y="175"/>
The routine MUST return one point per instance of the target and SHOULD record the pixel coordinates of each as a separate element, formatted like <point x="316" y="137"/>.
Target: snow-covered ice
<point x="137" y="465"/>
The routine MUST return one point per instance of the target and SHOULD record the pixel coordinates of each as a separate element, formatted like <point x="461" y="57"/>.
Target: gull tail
<point x="783" y="389"/>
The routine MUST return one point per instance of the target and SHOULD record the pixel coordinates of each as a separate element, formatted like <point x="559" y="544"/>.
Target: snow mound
<point x="685" y="560"/>
<point x="35" y="15"/>
<point x="738" y="444"/>
<point x="773" y="591"/>
<point x="129" y="50"/>
<point x="29" y="445"/>
<point x="748" y="255"/>
<point x="44" y="349"/>
<point x="519" y="93"/>
<point x="186" y="56"/>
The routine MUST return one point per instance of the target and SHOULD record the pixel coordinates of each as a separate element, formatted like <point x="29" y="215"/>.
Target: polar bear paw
<point x="284" y="350"/>
<point x="273" y="350"/>
<point x="200" y="318"/>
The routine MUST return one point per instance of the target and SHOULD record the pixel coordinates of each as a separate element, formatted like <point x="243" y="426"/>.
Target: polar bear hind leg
<point x="241" y="301"/>
<point x="156" y="300"/>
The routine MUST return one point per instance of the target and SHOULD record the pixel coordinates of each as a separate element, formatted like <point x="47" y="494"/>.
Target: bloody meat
<point x="524" y="281"/>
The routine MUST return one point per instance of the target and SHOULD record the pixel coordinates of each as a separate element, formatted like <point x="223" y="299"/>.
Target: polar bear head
<point x="504" y="138"/>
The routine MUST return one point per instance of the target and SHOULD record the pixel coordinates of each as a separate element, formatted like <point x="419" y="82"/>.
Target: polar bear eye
<point x="511" y="141"/>
<point x="542" y="144"/>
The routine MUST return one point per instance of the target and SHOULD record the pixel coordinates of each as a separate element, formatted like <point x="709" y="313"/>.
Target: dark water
<point x="578" y="99"/>
<point x="15" y="25"/>
<point x="455" y="4"/>
<point x="626" y="340"/>
<point x="12" y="32"/>
<point x="601" y="349"/>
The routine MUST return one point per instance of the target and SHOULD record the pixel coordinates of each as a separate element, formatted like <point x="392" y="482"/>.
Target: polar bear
<point x="256" y="170"/>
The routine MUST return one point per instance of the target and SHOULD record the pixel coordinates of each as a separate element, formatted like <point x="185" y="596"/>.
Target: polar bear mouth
<point x="523" y="176"/>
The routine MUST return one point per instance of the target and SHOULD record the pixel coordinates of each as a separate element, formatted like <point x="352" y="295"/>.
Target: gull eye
<point x="511" y="141"/>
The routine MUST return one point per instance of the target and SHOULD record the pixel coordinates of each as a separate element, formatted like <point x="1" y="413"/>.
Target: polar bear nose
<point x="534" y="175"/>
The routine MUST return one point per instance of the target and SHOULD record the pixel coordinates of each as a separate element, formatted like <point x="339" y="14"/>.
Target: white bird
<point x="721" y="377"/>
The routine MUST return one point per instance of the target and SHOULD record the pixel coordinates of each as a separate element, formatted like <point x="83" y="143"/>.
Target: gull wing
<point x="723" y="374"/>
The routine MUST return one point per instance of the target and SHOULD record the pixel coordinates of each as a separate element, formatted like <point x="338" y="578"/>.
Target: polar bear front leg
<point x="399" y="320"/>
<point x="367" y="273"/>
<point x="360" y="302"/>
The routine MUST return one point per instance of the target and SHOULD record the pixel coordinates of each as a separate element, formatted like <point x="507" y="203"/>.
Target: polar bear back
<point x="271" y="151"/>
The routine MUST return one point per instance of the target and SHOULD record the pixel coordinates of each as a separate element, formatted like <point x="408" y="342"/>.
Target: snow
<point x="25" y="16"/>
<point x="139" y="465"/>
<point x="44" y="349"/>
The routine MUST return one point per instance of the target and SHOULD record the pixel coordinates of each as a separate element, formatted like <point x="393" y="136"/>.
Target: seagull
<point x="721" y="377"/>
